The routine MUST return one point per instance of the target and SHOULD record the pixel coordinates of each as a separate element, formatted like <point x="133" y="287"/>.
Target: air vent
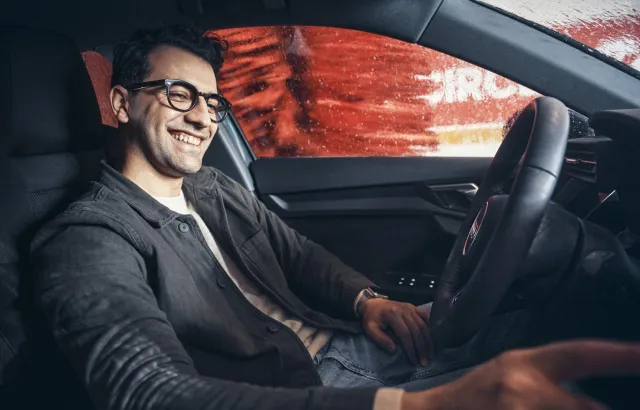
<point x="581" y="164"/>
<point x="585" y="157"/>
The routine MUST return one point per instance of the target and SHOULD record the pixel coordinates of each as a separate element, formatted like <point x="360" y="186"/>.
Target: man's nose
<point x="199" y="115"/>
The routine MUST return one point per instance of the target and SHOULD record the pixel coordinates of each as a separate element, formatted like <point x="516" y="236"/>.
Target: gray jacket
<point x="149" y="320"/>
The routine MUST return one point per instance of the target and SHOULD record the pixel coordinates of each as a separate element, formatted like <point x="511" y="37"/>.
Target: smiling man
<point x="168" y="286"/>
<point x="165" y="267"/>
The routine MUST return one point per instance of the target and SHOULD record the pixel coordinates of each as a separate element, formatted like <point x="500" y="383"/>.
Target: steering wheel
<point x="496" y="236"/>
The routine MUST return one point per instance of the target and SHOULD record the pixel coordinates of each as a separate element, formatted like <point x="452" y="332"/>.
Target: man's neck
<point x="149" y="179"/>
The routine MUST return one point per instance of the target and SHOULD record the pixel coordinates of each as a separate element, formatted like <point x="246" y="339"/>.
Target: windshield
<point x="610" y="26"/>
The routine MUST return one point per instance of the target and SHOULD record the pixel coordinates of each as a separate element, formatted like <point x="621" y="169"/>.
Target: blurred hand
<point x="410" y="325"/>
<point x="530" y="379"/>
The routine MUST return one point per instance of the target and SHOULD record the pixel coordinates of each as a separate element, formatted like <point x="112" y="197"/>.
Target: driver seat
<point x="50" y="148"/>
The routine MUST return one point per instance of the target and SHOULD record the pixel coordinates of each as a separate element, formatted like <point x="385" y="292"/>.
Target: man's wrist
<point x="411" y="401"/>
<point x="357" y="301"/>
<point x="422" y="400"/>
<point x="363" y="297"/>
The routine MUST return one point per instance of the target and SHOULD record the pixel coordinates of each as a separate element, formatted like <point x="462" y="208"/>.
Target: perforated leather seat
<point x="50" y="146"/>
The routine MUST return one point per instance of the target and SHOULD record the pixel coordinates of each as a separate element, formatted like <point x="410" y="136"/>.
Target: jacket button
<point x="222" y="283"/>
<point x="272" y="329"/>
<point x="183" y="227"/>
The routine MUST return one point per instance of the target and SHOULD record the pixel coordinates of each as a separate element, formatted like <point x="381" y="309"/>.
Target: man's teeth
<point x="189" y="139"/>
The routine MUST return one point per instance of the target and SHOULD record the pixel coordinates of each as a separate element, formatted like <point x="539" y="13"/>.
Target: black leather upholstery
<point x="50" y="145"/>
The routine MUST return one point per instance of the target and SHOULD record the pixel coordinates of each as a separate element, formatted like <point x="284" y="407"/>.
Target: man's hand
<point x="409" y="324"/>
<point x="530" y="379"/>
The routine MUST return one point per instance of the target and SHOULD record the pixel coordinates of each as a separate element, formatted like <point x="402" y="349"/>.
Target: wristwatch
<point x="365" y="295"/>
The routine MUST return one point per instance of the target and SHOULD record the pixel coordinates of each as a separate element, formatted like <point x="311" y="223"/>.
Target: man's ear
<point x="119" y="98"/>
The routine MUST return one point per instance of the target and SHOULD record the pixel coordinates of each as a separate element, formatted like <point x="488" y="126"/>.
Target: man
<point x="170" y="287"/>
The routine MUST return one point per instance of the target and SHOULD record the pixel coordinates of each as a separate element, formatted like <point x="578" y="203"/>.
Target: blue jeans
<point x="357" y="361"/>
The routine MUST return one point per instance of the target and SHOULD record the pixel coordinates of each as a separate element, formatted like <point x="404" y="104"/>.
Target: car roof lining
<point x="93" y="24"/>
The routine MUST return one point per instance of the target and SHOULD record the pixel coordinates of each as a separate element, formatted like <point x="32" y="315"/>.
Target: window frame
<point x="562" y="37"/>
<point x="530" y="57"/>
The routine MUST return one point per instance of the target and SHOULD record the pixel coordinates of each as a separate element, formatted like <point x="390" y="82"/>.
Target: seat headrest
<point x="47" y="101"/>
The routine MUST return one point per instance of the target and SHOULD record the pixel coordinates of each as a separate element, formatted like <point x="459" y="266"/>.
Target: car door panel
<point x="394" y="219"/>
<point x="290" y="175"/>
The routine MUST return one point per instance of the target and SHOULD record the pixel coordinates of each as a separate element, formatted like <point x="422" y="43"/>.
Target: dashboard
<point x="600" y="180"/>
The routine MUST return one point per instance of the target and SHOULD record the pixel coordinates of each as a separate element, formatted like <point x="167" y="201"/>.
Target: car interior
<point x="538" y="244"/>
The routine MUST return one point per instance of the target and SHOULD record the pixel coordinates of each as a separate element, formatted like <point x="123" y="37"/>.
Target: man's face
<point x="173" y="142"/>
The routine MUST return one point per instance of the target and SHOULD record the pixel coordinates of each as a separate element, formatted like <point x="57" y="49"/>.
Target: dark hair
<point x="130" y="58"/>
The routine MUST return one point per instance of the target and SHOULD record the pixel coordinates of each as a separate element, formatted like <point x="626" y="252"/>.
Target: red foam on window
<point x="317" y="91"/>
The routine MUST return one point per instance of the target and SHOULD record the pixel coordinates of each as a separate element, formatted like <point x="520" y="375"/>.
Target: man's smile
<point x="186" y="138"/>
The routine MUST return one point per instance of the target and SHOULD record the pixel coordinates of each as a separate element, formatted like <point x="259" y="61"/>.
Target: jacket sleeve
<point x="91" y="284"/>
<point x="309" y="267"/>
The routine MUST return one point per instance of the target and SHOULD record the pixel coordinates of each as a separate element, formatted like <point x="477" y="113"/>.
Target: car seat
<point x="51" y="137"/>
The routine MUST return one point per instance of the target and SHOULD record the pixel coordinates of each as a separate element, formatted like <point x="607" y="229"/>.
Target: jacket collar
<point x="201" y="183"/>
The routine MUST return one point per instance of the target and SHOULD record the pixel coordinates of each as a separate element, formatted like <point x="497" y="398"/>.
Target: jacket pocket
<point x="262" y="261"/>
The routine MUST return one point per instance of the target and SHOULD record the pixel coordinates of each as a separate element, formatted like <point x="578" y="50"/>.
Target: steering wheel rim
<point x="467" y="295"/>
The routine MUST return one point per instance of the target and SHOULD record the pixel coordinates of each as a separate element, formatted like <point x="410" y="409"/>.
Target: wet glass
<point x="611" y="27"/>
<point x="324" y="92"/>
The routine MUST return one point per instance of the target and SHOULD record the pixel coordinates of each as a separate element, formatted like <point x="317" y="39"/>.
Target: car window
<point x="317" y="92"/>
<point x="610" y="26"/>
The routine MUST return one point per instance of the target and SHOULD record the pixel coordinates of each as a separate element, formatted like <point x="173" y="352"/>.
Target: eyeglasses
<point x="183" y="97"/>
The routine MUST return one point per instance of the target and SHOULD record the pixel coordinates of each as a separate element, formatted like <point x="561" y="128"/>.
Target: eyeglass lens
<point x="183" y="97"/>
